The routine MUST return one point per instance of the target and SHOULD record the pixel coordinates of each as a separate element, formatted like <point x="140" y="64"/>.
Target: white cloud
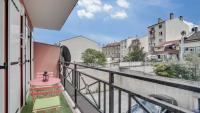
<point x="83" y="13"/>
<point x="89" y="8"/>
<point x="119" y="15"/>
<point x="107" y="8"/>
<point x="123" y="3"/>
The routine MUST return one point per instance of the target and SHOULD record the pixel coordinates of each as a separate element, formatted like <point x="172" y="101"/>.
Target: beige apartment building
<point x="77" y="45"/>
<point x="144" y="43"/>
<point x="112" y="52"/>
<point x="125" y="45"/>
<point x="167" y="30"/>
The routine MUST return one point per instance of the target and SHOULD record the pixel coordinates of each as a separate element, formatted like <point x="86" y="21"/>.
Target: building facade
<point x="78" y="45"/>
<point x="191" y="44"/>
<point x="144" y="43"/>
<point x="168" y="30"/>
<point x="112" y="52"/>
<point x="124" y="47"/>
<point x="168" y="50"/>
<point x="134" y="43"/>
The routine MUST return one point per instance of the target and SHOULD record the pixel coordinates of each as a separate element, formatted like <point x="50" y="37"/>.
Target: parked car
<point x="152" y="107"/>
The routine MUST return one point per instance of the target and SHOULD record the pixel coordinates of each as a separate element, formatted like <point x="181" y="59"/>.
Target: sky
<point x="106" y="21"/>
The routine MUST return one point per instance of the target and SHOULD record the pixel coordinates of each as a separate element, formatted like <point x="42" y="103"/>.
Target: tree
<point x="93" y="57"/>
<point x="136" y="54"/>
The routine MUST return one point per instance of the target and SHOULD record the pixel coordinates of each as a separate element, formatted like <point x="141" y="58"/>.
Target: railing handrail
<point x="162" y="82"/>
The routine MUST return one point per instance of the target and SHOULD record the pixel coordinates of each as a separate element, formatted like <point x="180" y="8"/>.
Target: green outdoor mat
<point x="45" y="103"/>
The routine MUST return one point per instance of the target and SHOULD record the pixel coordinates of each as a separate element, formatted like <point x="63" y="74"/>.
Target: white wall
<point x="1" y="57"/>
<point x="174" y="28"/>
<point x="144" y="43"/>
<point x="78" y="45"/>
<point x="14" y="55"/>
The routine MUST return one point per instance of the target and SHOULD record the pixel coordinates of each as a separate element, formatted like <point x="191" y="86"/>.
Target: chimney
<point x="181" y="18"/>
<point x="159" y="20"/>
<point x="195" y="29"/>
<point x="171" y="16"/>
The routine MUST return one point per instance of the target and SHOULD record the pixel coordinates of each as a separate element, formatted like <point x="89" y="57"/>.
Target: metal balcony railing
<point x="80" y="86"/>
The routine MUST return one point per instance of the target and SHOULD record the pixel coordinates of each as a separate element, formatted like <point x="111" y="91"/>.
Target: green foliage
<point x="183" y="72"/>
<point x="175" y="70"/>
<point x="93" y="57"/>
<point x="136" y="55"/>
<point x="163" y="70"/>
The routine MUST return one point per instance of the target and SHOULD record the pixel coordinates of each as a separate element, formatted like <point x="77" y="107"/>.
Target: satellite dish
<point x="65" y="53"/>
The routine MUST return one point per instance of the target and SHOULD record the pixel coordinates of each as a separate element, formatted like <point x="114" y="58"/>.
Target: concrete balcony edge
<point x="70" y="102"/>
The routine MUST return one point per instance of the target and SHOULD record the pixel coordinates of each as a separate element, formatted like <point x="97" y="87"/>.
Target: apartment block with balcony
<point x="167" y="30"/>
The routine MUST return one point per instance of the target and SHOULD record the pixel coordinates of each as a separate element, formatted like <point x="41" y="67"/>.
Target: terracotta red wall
<point x="46" y="58"/>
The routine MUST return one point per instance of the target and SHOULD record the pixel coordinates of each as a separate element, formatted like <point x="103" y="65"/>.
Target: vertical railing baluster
<point x="64" y="74"/>
<point x="99" y="95"/>
<point x="129" y="103"/>
<point x="79" y="82"/>
<point x="104" y="95"/>
<point x="119" y="101"/>
<point x="111" y="93"/>
<point x="75" y="85"/>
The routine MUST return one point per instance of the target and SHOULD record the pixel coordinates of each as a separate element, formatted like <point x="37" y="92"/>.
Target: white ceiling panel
<point x="49" y="14"/>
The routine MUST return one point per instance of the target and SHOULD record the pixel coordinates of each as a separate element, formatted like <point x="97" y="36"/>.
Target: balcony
<point x="97" y="90"/>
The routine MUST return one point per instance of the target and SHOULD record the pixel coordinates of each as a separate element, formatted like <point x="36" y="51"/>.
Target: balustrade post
<point x="75" y="84"/>
<point x="111" y="93"/>
<point x="64" y="75"/>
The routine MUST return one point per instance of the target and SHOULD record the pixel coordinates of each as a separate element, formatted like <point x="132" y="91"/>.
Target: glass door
<point x="2" y="78"/>
<point x="14" y="77"/>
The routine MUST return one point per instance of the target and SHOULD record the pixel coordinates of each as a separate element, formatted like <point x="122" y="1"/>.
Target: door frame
<point x="21" y="61"/>
<point x="6" y="53"/>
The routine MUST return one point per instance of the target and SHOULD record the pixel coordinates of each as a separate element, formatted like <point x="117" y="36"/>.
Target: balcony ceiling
<point x="49" y="14"/>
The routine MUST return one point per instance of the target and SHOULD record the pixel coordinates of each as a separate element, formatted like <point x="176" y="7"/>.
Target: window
<point x="186" y="49"/>
<point x="160" y="26"/>
<point x="160" y="33"/>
